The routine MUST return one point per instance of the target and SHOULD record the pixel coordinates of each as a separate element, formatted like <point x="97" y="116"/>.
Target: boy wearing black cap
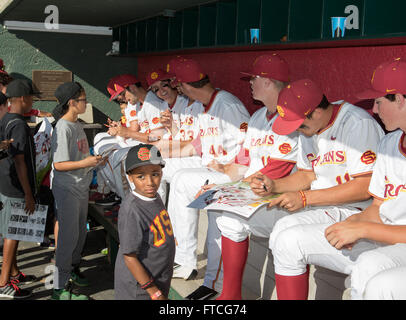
<point x="17" y="181"/>
<point x="144" y="264"/>
<point x="70" y="187"/>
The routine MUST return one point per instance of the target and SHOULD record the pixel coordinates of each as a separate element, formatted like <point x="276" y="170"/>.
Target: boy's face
<point x="80" y="103"/>
<point x="27" y="102"/>
<point x="146" y="179"/>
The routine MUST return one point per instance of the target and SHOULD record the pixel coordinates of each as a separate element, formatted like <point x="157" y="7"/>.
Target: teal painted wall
<point x="83" y="55"/>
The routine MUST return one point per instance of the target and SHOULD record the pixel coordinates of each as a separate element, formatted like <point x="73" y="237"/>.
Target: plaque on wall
<point x="47" y="81"/>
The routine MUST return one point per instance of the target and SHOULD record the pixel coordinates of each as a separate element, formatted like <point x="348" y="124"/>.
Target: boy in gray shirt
<point x="144" y="264"/>
<point x="70" y="187"/>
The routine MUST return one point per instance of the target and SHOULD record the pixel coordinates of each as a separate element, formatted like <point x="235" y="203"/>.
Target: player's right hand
<point x="261" y="185"/>
<point x="112" y="123"/>
<point x="204" y="189"/>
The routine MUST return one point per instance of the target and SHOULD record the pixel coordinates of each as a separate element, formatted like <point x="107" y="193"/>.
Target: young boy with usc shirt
<point x="144" y="264"/>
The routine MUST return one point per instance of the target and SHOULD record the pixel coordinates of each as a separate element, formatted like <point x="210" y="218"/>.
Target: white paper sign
<point x="24" y="227"/>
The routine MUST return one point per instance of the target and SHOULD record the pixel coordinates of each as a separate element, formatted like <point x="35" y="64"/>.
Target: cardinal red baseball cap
<point x="120" y="83"/>
<point x="174" y="63"/>
<point x="295" y="102"/>
<point x="186" y="70"/>
<point x="110" y="88"/>
<point x="388" y="78"/>
<point x="270" y="66"/>
<point x="158" y="75"/>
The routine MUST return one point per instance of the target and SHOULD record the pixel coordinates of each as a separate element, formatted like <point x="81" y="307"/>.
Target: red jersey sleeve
<point x="277" y="169"/>
<point x="243" y="157"/>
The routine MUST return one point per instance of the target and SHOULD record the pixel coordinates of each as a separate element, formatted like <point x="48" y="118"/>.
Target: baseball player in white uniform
<point x="180" y="120"/>
<point x="368" y="242"/>
<point x="263" y="152"/>
<point x="141" y="118"/>
<point x="222" y="129"/>
<point x="330" y="135"/>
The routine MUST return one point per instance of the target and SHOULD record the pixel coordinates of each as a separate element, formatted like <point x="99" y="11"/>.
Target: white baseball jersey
<point x="262" y="145"/>
<point x="388" y="180"/>
<point x="185" y="117"/>
<point x="130" y="114"/>
<point x="344" y="150"/>
<point x="222" y="128"/>
<point x="148" y="117"/>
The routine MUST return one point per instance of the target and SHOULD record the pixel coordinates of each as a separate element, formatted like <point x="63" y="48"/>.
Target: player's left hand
<point x="343" y="235"/>
<point x="118" y="131"/>
<point x="166" y="118"/>
<point x="290" y="201"/>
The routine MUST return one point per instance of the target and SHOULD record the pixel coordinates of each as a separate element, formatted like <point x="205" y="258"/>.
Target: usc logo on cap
<point x="154" y="75"/>
<point x="285" y="148"/>
<point x="368" y="157"/>
<point x="244" y="126"/>
<point x="144" y="154"/>
<point x="123" y="120"/>
<point x="280" y="111"/>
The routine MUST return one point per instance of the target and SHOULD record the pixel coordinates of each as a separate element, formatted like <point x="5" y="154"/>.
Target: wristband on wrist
<point x="304" y="200"/>
<point x="148" y="284"/>
<point x="156" y="295"/>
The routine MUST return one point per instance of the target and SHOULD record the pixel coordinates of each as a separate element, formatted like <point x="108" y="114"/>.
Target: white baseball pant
<point x="184" y="186"/>
<point x="213" y="277"/>
<point x="304" y="243"/>
<point x="172" y="165"/>
<point x="111" y="174"/>
<point x="387" y="285"/>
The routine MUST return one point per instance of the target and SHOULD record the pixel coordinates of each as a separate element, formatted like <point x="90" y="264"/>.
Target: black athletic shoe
<point x="202" y="293"/>
<point x="22" y="278"/>
<point x="12" y="291"/>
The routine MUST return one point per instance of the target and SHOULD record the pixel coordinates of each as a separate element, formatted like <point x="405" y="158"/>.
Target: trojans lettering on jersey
<point x="268" y="140"/>
<point x="331" y="157"/>
<point x="209" y="132"/>
<point x="391" y="190"/>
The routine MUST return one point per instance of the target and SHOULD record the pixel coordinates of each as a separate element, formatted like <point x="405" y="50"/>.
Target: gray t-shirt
<point x="69" y="143"/>
<point x="144" y="229"/>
